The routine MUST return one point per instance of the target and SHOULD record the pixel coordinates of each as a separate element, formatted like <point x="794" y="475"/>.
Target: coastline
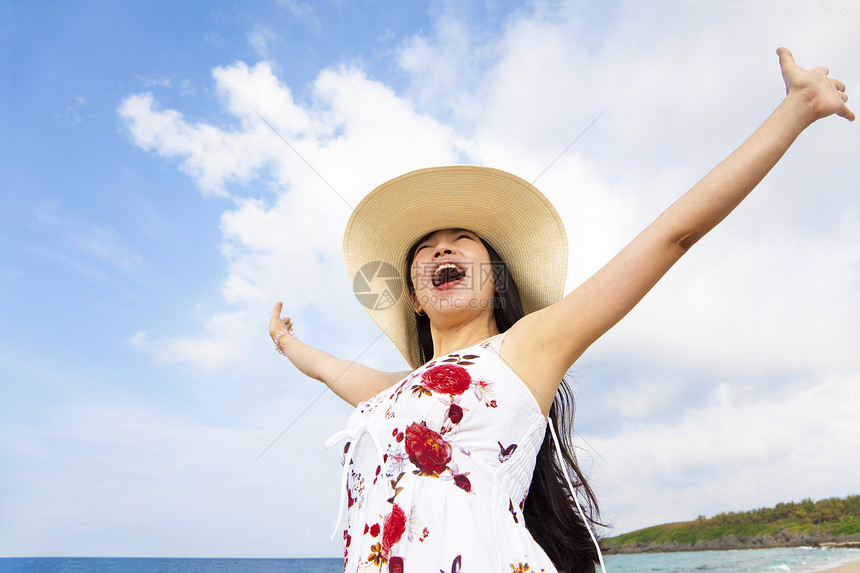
<point x="733" y="542"/>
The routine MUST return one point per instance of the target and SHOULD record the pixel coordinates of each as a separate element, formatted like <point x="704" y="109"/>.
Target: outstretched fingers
<point x="826" y="94"/>
<point x="839" y="86"/>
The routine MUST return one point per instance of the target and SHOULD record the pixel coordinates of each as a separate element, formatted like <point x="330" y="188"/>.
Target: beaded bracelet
<point x="278" y="338"/>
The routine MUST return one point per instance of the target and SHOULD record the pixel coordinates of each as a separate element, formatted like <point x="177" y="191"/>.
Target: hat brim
<point x="503" y="209"/>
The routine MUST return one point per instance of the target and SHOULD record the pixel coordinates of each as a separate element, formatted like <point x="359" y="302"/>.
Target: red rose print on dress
<point x="393" y="527"/>
<point x="460" y="478"/>
<point x="455" y="413"/>
<point x="463" y="482"/>
<point x="427" y="449"/>
<point x="395" y="565"/>
<point x="447" y="379"/>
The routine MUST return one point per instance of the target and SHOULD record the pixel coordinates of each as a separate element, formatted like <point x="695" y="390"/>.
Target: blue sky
<point x="149" y="219"/>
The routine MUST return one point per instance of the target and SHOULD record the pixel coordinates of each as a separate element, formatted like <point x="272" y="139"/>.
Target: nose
<point x="442" y="249"/>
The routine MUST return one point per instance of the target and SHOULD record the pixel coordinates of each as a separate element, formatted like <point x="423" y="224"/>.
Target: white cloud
<point x="225" y="339"/>
<point x="211" y="157"/>
<point x="442" y="79"/>
<point x="260" y="38"/>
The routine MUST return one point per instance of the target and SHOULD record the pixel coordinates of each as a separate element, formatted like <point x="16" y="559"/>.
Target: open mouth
<point x="447" y="274"/>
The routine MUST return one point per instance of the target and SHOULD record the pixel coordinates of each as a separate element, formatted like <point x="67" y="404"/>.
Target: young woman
<point x="463" y="461"/>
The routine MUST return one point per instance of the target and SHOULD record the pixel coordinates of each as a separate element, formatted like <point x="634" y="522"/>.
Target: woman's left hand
<point x="824" y="95"/>
<point x="278" y="324"/>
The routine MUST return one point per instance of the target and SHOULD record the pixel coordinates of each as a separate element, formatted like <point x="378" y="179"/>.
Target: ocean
<point x="793" y="560"/>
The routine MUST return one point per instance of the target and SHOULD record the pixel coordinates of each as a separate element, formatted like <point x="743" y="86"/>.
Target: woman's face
<point x="451" y="272"/>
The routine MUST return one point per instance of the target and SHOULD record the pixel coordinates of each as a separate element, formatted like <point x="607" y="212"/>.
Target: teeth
<point x="445" y="266"/>
<point x="447" y="272"/>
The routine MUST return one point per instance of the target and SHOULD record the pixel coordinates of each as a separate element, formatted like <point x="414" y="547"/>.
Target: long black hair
<point x="550" y="511"/>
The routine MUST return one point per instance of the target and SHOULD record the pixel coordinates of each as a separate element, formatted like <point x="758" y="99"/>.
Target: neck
<point x="447" y="339"/>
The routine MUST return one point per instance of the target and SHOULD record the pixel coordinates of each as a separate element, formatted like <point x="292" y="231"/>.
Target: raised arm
<point x="545" y="344"/>
<point x="352" y="381"/>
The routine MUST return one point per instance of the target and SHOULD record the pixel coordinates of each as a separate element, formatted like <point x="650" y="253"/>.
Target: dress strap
<point x="494" y="344"/>
<point x="573" y="494"/>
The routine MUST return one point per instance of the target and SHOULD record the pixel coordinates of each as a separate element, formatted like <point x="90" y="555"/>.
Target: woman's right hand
<point x="278" y="324"/>
<point x="822" y="94"/>
<point x="348" y="379"/>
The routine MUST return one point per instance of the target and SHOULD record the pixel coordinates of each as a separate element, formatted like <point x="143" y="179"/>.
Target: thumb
<point x="276" y="312"/>
<point x="786" y="59"/>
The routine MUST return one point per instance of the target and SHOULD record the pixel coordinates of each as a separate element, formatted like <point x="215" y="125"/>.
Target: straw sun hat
<point x="506" y="211"/>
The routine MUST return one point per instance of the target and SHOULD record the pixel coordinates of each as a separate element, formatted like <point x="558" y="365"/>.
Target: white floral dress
<point x="437" y="468"/>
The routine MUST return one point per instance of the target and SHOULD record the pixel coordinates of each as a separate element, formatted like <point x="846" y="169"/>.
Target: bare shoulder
<point x="526" y="352"/>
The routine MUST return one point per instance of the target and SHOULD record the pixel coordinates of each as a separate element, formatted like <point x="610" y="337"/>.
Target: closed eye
<point x="428" y="245"/>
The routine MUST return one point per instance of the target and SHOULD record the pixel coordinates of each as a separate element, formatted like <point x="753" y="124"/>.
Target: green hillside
<point x="788" y="524"/>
